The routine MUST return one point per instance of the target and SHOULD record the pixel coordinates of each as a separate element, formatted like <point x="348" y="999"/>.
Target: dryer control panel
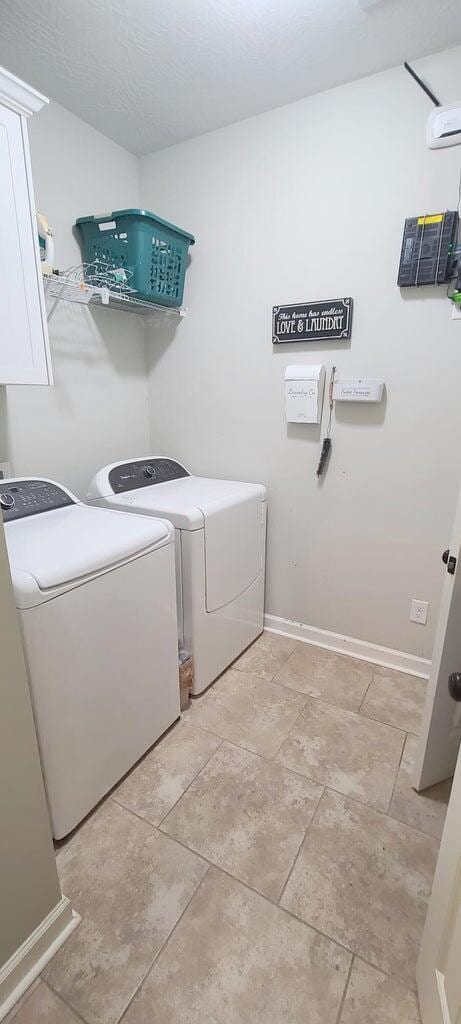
<point x="144" y="473"/>
<point x="22" y="498"/>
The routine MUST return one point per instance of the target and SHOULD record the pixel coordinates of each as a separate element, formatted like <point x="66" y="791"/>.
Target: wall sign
<point x="330" y="320"/>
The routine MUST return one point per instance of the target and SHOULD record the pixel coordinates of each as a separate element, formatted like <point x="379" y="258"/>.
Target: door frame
<point x="440" y="919"/>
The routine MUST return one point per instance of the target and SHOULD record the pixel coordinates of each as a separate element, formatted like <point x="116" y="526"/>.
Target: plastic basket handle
<point x="107" y="225"/>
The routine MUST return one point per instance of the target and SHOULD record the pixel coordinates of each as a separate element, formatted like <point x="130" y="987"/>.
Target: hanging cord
<point x="326" y="446"/>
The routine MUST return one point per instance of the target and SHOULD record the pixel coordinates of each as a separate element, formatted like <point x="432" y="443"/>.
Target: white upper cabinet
<point x="24" y="346"/>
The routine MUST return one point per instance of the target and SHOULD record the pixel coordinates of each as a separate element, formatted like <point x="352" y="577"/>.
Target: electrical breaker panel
<point x="428" y="245"/>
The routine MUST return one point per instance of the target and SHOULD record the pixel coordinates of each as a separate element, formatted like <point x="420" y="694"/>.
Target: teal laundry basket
<point x="152" y="252"/>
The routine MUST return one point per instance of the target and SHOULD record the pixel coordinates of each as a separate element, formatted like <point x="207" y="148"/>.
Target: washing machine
<point x="96" y="596"/>
<point x="220" y="535"/>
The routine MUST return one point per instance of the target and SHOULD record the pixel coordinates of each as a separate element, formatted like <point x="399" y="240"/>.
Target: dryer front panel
<point x="234" y="547"/>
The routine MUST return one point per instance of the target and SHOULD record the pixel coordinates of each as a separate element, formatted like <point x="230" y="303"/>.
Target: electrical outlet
<point x="418" y="611"/>
<point x="5" y="470"/>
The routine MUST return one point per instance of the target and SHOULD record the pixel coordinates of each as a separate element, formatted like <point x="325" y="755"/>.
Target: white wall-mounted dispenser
<point x="304" y="386"/>
<point x="358" y="389"/>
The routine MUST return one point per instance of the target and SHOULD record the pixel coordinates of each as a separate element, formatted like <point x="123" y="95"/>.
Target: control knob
<point x="150" y="471"/>
<point x="6" y="500"/>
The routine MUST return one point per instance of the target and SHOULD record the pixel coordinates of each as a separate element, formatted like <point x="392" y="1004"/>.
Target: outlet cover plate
<point x="418" y="611"/>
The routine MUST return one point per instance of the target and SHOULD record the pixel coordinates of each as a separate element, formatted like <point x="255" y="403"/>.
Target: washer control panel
<point x="22" y="498"/>
<point x="144" y="473"/>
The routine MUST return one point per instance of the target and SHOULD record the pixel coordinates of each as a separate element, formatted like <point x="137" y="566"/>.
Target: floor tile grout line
<point x="306" y="832"/>
<point x="388" y="974"/>
<point x="301" y="712"/>
<point x="397" y="775"/>
<point x="347" y="711"/>
<point x="341" y="707"/>
<point x="235" y="665"/>
<point x="225" y="739"/>
<point x="200" y="728"/>
<point x="162" y="832"/>
<point x="273" y="760"/>
<point x="211" y="864"/>
<point x="377" y="810"/>
<point x="200" y="857"/>
<point x="310" y="778"/>
<point x="263" y="896"/>
<point x="375" y="667"/>
<point x="371" y="807"/>
<point x="65" y="1001"/>
<point x="345" y="991"/>
<point x="322" y="700"/>
<point x="277" y="752"/>
<point x="366" y="691"/>
<point x="210" y="758"/>
<point x="348" y="949"/>
<point x="269" y="761"/>
<point x="338" y="792"/>
<point x="420" y="831"/>
<point x="257" y="892"/>
<point x="159" y="951"/>
<point x="386" y="670"/>
<point x="199" y="771"/>
<point x="265" y="678"/>
<point x="307" y="778"/>
<point x="219" y="867"/>
<point x="398" y="728"/>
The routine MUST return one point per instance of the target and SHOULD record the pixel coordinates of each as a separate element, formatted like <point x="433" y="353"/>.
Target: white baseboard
<point x="30" y="959"/>
<point x="384" y="656"/>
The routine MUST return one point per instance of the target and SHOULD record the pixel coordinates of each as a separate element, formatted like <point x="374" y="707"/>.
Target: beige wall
<point x="308" y="202"/>
<point x="97" y="410"/>
<point x="29" y="887"/>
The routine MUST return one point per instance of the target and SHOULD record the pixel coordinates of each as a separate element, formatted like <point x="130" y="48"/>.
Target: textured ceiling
<point x="149" y="73"/>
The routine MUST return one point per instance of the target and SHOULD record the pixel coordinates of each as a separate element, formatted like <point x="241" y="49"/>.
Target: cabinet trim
<point x="20" y="97"/>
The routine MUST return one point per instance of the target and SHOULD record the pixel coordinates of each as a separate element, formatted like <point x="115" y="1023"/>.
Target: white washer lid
<point x="69" y="543"/>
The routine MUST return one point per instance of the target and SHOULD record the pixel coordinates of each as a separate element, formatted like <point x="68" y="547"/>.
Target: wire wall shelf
<point x="100" y="284"/>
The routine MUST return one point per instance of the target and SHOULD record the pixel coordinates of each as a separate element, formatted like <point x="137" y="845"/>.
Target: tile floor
<point x="267" y="861"/>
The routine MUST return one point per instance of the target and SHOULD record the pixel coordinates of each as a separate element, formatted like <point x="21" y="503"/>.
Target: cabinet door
<point x="24" y="352"/>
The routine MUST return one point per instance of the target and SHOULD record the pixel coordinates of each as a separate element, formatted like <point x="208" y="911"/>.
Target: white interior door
<point x="441" y="728"/>
<point x="438" y="971"/>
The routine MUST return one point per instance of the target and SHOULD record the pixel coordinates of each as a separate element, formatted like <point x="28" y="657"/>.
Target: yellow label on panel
<point x="435" y="218"/>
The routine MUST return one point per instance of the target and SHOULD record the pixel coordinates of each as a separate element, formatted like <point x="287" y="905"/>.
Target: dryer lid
<point x="65" y="545"/>
<point x="185" y="502"/>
